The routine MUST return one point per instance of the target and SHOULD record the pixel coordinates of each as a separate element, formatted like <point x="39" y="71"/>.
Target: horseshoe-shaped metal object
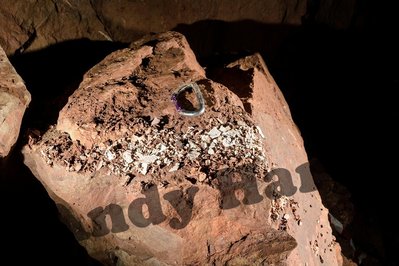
<point x="200" y="99"/>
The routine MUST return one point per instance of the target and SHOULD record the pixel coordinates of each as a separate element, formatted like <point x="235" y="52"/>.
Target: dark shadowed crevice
<point x="52" y="74"/>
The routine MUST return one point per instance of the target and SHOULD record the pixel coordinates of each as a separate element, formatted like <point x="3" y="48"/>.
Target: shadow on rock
<point x="52" y="74"/>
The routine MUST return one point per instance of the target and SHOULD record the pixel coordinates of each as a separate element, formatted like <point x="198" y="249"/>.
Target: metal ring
<point x="200" y="99"/>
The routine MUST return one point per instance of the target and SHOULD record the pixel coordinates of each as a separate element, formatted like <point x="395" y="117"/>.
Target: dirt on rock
<point x="139" y="182"/>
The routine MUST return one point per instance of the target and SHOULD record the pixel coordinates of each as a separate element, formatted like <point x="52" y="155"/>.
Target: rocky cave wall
<point x="28" y="26"/>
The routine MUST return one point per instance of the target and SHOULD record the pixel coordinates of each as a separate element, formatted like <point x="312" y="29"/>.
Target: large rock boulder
<point x="14" y="98"/>
<point x="142" y="178"/>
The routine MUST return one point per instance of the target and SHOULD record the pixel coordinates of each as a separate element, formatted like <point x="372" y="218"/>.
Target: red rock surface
<point x="32" y="25"/>
<point x="120" y="142"/>
<point x="14" y="98"/>
<point x="250" y="79"/>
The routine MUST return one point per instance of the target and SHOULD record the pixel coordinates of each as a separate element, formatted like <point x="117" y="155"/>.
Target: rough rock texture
<point x="165" y="15"/>
<point x="14" y="98"/>
<point x="250" y="79"/>
<point x="31" y="25"/>
<point x="140" y="184"/>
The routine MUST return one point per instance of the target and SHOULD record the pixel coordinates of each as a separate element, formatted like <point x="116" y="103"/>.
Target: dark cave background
<point x="341" y="86"/>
